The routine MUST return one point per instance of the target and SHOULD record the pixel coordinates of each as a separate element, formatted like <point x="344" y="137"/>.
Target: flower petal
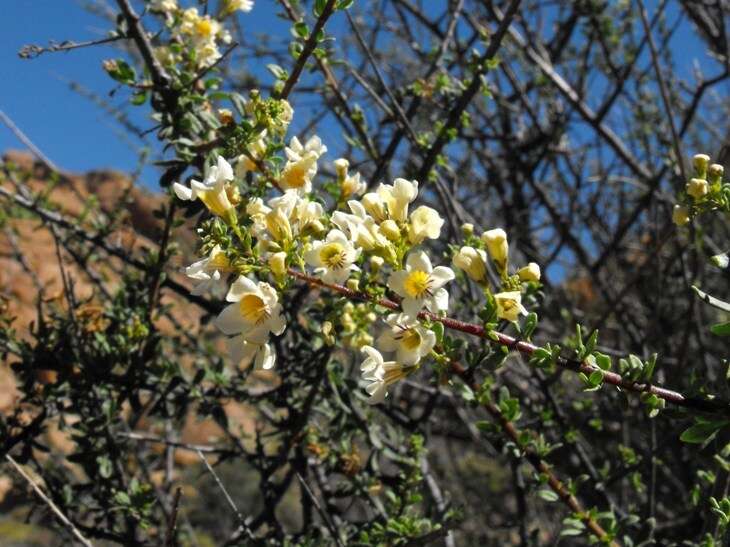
<point x="242" y="285"/>
<point x="419" y="261"/>
<point x="230" y="321"/>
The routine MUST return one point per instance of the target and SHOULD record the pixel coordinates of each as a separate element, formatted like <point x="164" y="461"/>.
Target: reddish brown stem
<point x="712" y="406"/>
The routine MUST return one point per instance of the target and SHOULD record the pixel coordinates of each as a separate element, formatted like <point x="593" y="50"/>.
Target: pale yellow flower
<point x="421" y="285"/>
<point x="496" y="242"/>
<point x="473" y="262"/>
<point x="509" y="305"/>
<point x="407" y="337"/>
<point x="425" y="223"/>
<point x="213" y="192"/>
<point x="698" y="188"/>
<point x="333" y="258"/>
<point x="531" y="272"/>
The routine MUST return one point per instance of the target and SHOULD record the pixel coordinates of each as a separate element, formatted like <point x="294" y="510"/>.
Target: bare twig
<point x="49" y="502"/>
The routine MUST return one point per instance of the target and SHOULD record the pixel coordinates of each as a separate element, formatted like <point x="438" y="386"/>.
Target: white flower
<point x="255" y="311"/>
<point x="473" y="262"/>
<point x="243" y="351"/>
<point x="213" y="192"/>
<point x="531" y="272"/>
<point x="375" y="206"/>
<point x="381" y="374"/>
<point x="496" y="242"/>
<point x="208" y="271"/>
<point x="398" y="196"/>
<point x="333" y="258"/>
<point x="164" y="6"/>
<point x="302" y="165"/>
<point x="302" y="213"/>
<point x="421" y="285"/>
<point x="509" y="305"/>
<point x="697" y="188"/>
<point x="360" y="227"/>
<point x="425" y="222"/>
<point x="407" y="338"/>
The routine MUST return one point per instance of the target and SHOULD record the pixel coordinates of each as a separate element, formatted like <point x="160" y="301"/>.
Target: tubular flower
<point x="473" y="262"/>
<point x="243" y="352"/>
<point x="425" y="222"/>
<point x="349" y="184"/>
<point x="509" y="305"/>
<point x="531" y="272"/>
<point x="405" y="335"/>
<point x="213" y="192"/>
<point x="254" y="313"/>
<point x="421" y="285"/>
<point x="381" y="374"/>
<point x="303" y="215"/>
<point x="277" y="264"/>
<point x="374" y="204"/>
<point x="398" y="196"/>
<point x="333" y="258"/>
<point x="208" y="271"/>
<point x="362" y="228"/>
<point x="698" y="188"/>
<point x="496" y="242"/>
<point x="301" y="165"/>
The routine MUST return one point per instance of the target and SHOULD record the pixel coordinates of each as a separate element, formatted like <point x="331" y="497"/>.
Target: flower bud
<point x="498" y="247"/>
<point x="389" y="229"/>
<point x="715" y="174"/>
<point x="467" y="229"/>
<point x="278" y="225"/>
<point x="721" y="261"/>
<point x="473" y="262"/>
<point x="700" y="162"/>
<point x="277" y="263"/>
<point x="531" y="272"/>
<point x="697" y="188"/>
<point x="353" y="284"/>
<point x="376" y="262"/>
<point x="341" y="166"/>
<point x="680" y="215"/>
<point x="327" y="334"/>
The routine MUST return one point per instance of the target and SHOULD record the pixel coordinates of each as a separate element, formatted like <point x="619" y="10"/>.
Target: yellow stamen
<point x="417" y="284"/>
<point x="253" y="309"/>
<point x="411" y="339"/>
<point x="333" y="255"/>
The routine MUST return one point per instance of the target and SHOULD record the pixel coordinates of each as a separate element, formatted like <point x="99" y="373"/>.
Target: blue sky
<point x="36" y="95"/>
<point x="79" y="136"/>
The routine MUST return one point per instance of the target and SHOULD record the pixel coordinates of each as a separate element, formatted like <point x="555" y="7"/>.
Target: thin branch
<point x="309" y="47"/>
<point x="49" y="502"/>
<point x="325" y="517"/>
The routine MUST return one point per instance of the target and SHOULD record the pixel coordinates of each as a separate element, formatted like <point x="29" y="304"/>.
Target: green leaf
<point x="548" y="495"/>
<point x="301" y="29"/>
<point x="701" y="432"/>
<point x="721" y="329"/>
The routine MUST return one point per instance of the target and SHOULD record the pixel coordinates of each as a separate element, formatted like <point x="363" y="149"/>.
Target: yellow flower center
<point x="253" y="309"/>
<point x="203" y="27"/>
<point x="411" y="339"/>
<point x="219" y="262"/>
<point x="417" y="283"/>
<point x="295" y="174"/>
<point x="333" y="255"/>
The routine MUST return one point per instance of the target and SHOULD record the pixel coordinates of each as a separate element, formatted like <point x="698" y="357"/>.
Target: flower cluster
<point x="195" y="37"/>
<point x="347" y="237"/>
<point x="705" y="191"/>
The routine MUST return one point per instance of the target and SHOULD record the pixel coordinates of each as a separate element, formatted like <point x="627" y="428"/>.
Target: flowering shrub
<point x="361" y="336"/>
